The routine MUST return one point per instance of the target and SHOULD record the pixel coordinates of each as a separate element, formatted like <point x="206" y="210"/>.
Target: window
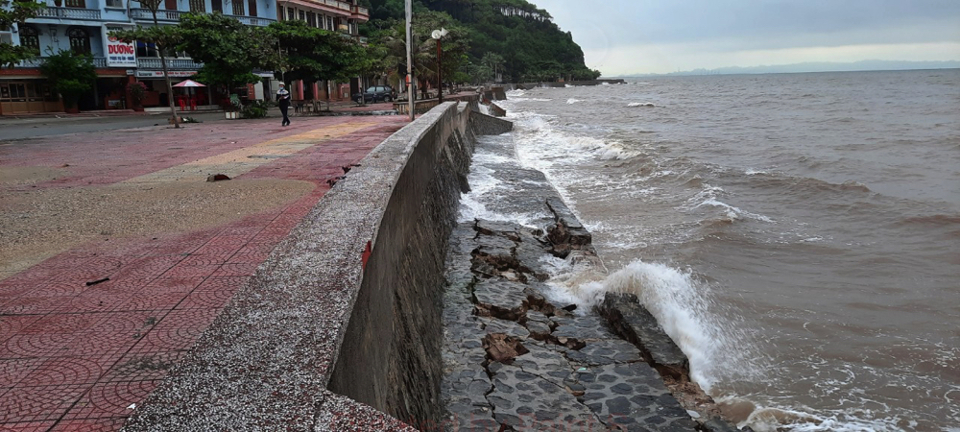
<point x="237" y="7"/>
<point x="76" y="3"/>
<point x="311" y="19"/>
<point x="217" y="5"/>
<point x="303" y="16"/>
<point x="291" y="14"/>
<point x="79" y="40"/>
<point x="253" y="7"/>
<point x="170" y="5"/>
<point x="329" y="23"/>
<point x="30" y="39"/>
<point x="115" y="3"/>
<point x="198" y="6"/>
<point x="147" y="50"/>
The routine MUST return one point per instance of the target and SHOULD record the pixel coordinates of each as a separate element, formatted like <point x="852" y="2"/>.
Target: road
<point x="13" y="128"/>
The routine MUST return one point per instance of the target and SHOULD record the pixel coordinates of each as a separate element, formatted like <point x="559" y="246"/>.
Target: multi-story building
<point x="342" y="16"/>
<point x="82" y="26"/>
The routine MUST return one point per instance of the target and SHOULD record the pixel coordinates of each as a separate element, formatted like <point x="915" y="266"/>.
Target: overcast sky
<point x="656" y="36"/>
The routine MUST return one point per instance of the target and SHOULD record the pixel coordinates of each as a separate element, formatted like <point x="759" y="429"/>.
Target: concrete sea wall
<point x="340" y="328"/>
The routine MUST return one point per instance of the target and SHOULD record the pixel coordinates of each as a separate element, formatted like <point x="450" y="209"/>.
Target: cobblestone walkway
<point x="77" y="355"/>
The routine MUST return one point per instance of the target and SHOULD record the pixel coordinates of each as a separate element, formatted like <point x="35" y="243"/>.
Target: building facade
<point x="333" y="15"/>
<point x="82" y="26"/>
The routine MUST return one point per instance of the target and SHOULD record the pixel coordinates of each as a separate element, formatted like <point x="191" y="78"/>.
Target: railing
<point x="141" y="14"/>
<point x="357" y="10"/>
<point x="98" y="62"/>
<point x="31" y="63"/>
<point x="335" y="4"/>
<point x="70" y="13"/>
<point x="172" y="64"/>
<point x="252" y="21"/>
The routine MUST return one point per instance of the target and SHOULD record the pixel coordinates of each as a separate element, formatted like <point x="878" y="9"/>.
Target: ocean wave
<point x="806" y="185"/>
<point x="934" y="220"/>
<point x="640" y="104"/>
<point x="572" y="101"/>
<point x="680" y="304"/>
<point x="733" y="213"/>
<point x="771" y="419"/>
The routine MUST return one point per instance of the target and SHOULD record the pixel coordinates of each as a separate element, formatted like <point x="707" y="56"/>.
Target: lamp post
<point x="437" y="35"/>
<point x="410" y="93"/>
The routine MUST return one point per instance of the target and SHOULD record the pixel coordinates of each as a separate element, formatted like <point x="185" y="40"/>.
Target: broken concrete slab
<point x="633" y="397"/>
<point x="634" y="323"/>
<point x="500" y="298"/>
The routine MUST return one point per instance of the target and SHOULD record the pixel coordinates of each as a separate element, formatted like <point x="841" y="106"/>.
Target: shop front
<point x="27" y="96"/>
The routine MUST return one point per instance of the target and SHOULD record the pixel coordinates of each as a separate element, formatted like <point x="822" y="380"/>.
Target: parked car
<point x="376" y="94"/>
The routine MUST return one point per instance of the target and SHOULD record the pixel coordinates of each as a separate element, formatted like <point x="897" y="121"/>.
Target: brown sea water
<point x="797" y="234"/>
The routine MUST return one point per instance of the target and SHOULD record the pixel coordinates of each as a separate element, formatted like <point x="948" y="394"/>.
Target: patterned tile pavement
<point x="77" y="358"/>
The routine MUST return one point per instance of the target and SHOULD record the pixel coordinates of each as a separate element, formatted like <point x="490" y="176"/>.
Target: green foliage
<point x="13" y="13"/>
<point x="165" y="37"/>
<point x="389" y="45"/>
<point x="528" y="45"/>
<point x="313" y="54"/>
<point x="228" y="49"/>
<point x="255" y="109"/>
<point x="17" y="11"/>
<point x="137" y="91"/>
<point x="69" y="74"/>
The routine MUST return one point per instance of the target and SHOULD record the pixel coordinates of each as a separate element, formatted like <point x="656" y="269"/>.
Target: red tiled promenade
<point x="75" y="357"/>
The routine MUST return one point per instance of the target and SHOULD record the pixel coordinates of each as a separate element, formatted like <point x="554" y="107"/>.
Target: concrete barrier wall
<point x="389" y="357"/>
<point x="345" y="313"/>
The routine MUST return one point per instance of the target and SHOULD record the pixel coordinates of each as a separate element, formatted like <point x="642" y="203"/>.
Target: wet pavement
<point x="78" y="354"/>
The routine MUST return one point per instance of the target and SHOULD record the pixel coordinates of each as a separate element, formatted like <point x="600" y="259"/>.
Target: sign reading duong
<point x="118" y="53"/>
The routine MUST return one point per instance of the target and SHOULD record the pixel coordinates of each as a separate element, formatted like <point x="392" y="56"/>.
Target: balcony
<point x="172" y="16"/>
<point x="164" y="16"/>
<point x="172" y="64"/>
<point x="252" y="20"/>
<point x="69" y="13"/>
<point x="336" y="4"/>
<point x="361" y="13"/>
<point x="98" y="62"/>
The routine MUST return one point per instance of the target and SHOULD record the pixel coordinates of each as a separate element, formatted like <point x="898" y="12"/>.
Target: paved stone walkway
<point x="78" y="357"/>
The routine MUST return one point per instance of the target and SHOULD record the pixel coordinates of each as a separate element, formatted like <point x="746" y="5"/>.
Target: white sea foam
<point x="751" y="172"/>
<point x="675" y="298"/>
<point x="734" y="213"/>
<point x="484" y="109"/>
<point x="771" y="419"/>
<point x="640" y="104"/>
<point x="572" y="101"/>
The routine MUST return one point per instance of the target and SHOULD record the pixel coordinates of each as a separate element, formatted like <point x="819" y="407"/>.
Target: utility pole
<point x="410" y="81"/>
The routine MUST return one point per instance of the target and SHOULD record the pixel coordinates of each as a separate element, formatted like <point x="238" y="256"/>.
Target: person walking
<point x="283" y="100"/>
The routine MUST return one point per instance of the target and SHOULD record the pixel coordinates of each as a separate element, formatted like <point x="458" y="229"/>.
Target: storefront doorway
<point x="28" y="96"/>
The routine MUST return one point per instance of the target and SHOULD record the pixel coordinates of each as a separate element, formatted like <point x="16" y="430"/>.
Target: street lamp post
<point x="410" y="92"/>
<point x="437" y="35"/>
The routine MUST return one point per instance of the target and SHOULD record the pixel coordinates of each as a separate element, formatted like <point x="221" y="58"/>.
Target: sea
<point x="797" y="235"/>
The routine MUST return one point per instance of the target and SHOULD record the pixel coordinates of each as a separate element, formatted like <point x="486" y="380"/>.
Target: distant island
<point x="865" y="65"/>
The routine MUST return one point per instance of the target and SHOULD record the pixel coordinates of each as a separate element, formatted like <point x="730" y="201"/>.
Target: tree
<point x="164" y="37"/>
<point x="523" y="35"/>
<point x="454" y="45"/>
<point x="494" y="62"/>
<point x="15" y="12"/>
<point x="313" y="54"/>
<point x="228" y="49"/>
<point x="69" y="74"/>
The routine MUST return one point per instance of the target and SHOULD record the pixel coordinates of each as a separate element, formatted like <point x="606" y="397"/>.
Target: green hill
<point x="510" y="38"/>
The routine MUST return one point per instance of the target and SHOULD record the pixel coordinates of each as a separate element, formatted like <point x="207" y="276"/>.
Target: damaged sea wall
<point x="340" y="329"/>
